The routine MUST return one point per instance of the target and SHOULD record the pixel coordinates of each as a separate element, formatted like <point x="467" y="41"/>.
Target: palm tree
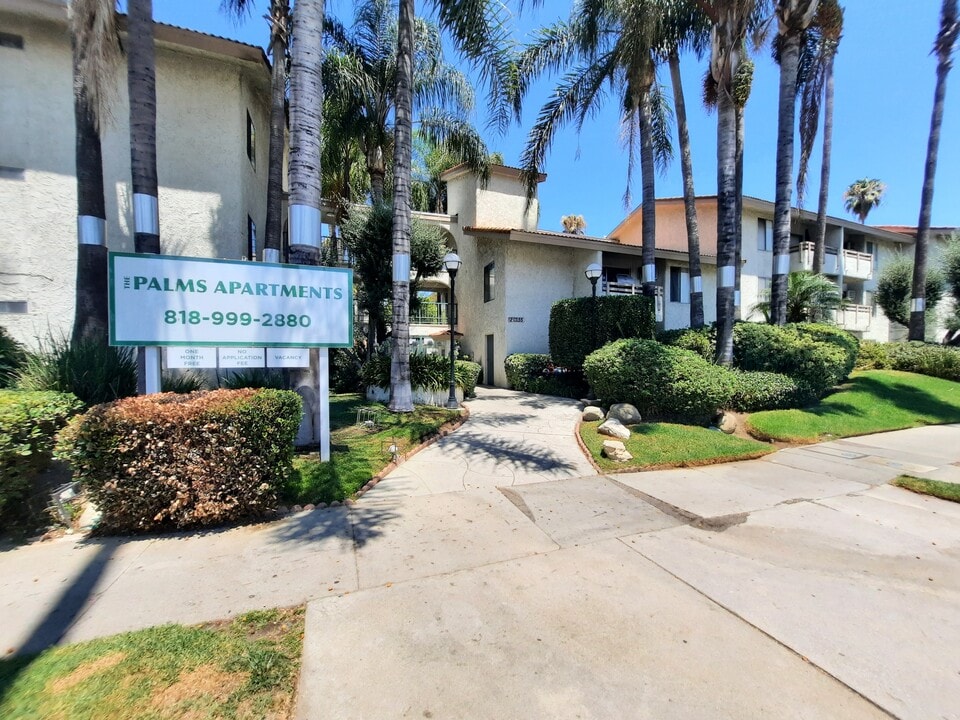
<point x="943" y="47"/>
<point x="95" y="53"/>
<point x="730" y="20"/>
<point x="822" y="42"/>
<point x="862" y="196"/>
<point x="615" y="43"/>
<point x="279" y="18"/>
<point x="479" y="31"/>
<point x="793" y="18"/>
<point x="811" y="297"/>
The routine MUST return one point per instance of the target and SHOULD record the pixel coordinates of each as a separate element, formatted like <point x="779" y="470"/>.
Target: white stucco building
<point x="212" y="141"/>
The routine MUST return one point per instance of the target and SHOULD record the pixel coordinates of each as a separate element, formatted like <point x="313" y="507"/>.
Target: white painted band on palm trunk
<point x="146" y="214"/>
<point x="401" y="267"/>
<point x="271" y="255"/>
<point x="918" y="305"/>
<point x="91" y="230"/>
<point x="649" y="273"/>
<point x="727" y="276"/>
<point x="697" y="284"/>
<point x="305" y="226"/>
<point x="782" y="265"/>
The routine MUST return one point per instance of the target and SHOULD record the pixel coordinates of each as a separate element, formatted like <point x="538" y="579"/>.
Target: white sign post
<point x="250" y="311"/>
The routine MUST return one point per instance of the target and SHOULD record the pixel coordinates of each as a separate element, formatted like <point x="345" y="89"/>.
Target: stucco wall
<point x="207" y="185"/>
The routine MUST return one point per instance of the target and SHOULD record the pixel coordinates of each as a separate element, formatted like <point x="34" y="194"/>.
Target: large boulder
<point x="592" y="413"/>
<point x="614" y="428"/>
<point x="616" y="451"/>
<point x="727" y="422"/>
<point x="625" y="413"/>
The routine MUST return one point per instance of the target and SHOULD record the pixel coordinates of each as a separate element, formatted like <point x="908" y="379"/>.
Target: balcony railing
<point x="621" y="288"/>
<point x="855" y="264"/>
<point x="854" y="317"/>
<point x="432" y="313"/>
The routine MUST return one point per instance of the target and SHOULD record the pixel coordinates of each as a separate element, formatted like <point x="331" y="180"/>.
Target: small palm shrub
<point x="254" y="378"/>
<point x="431" y="372"/>
<point x="92" y="371"/>
<point x="183" y="382"/>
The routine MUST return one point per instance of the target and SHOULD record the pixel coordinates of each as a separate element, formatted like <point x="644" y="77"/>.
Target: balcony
<point x="432" y="313"/>
<point x="855" y="317"/>
<point x="856" y="265"/>
<point x="621" y="288"/>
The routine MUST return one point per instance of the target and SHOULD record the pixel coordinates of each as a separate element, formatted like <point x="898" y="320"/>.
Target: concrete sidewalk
<point x="474" y="583"/>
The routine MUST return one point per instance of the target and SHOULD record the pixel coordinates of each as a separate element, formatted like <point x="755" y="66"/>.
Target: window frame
<point x="251" y="239"/>
<point x="251" y="141"/>
<point x="490" y="281"/>
<point x="764" y="235"/>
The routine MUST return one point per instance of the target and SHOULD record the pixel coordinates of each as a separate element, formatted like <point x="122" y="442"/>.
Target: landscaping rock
<point x="592" y="413"/>
<point x="615" y="450"/>
<point x="308" y="508"/>
<point x="614" y="428"/>
<point x="625" y="413"/>
<point x="727" y="423"/>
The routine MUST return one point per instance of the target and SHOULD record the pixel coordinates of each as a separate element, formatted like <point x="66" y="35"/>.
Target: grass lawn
<point x="246" y="668"/>
<point x="662" y="445"/>
<point x="358" y="453"/>
<point x="942" y="490"/>
<point x="872" y="401"/>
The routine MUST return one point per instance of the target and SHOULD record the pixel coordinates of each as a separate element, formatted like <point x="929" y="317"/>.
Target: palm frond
<point x="97" y="51"/>
<point x="661" y="126"/>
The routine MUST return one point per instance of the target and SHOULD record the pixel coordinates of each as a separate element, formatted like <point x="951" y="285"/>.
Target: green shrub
<point x="755" y="391"/>
<point x="431" y="372"/>
<point x="847" y="341"/>
<point x="873" y="356"/>
<point x="177" y="461"/>
<point x="528" y="372"/>
<point x="925" y="359"/>
<point x="254" y="378"/>
<point x="94" y="372"/>
<point x="183" y="382"/>
<point x="12" y="357"/>
<point x="467" y="375"/>
<point x="29" y="422"/>
<point x="345" y="367"/>
<point x="663" y="382"/>
<point x="578" y="326"/>
<point x="702" y="341"/>
<point x="814" y="365"/>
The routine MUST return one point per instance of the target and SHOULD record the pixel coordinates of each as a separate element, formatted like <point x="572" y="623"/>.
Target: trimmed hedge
<point x="578" y="326"/>
<point x="933" y="360"/>
<point x="431" y="372"/>
<point x="848" y="342"/>
<point x="177" y="461"/>
<point x="755" y="391"/>
<point x="814" y="365"/>
<point x="534" y="373"/>
<point x="29" y="422"/>
<point x="873" y="355"/>
<point x="663" y="382"/>
<point x="702" y="341"/>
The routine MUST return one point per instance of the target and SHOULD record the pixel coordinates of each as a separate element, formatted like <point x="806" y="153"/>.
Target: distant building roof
<point x="911" y="230"/>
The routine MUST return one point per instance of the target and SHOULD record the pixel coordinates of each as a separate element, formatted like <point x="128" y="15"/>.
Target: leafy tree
<point x="943" y="47"/>
<point x="810" y="298"/>
<point x="894" y="286"/>
<point x="862" y="196"/>
<point x="951" y="272"/>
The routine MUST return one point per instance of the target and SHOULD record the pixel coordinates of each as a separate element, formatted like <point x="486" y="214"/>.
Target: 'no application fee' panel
<point x="171" y="300"/>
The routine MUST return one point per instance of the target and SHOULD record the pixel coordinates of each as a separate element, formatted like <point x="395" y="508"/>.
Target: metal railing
<point x="431" y="313"/>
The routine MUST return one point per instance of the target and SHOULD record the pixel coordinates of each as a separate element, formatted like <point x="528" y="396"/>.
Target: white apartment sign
<point x="197" y="302"/>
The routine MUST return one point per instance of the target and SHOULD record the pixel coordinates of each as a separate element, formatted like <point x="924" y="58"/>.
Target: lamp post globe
<point x="593" y="273"/>
<point x="451" y="261"/>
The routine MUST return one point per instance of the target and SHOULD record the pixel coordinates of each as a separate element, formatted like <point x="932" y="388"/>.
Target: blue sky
<point x="884" y="92"/>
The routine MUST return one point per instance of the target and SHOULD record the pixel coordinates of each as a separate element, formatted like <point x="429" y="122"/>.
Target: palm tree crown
<point x="862" y="196"/>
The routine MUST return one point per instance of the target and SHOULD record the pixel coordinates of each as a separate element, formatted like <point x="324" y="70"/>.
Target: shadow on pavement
<point x="516" y="454"/>
<point x="355" y="524"/>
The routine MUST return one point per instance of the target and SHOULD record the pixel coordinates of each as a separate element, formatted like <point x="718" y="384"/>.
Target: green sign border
<point x="167" y="343"/>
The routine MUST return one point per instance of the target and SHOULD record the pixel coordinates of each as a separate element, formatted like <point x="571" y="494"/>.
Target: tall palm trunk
<point x="90" y="317"/>
<point x="726" y="223"/>
<point x="376" y="168"/>
<point x="306" y="103"/>
<point x="789" y="57"/>
<point x="401" y="394"/>
<point x="738" y="250"/>
<point x="142" y="91"/>
<point x="648" y="174"/>
<point x="946" y="39"/>
<point x="819" y="246"/>
<point x="279" y="28"/>
<point x="689" y="196"/>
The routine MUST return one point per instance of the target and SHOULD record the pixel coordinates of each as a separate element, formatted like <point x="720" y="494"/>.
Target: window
<point x="764" y="234"/>
<point x="11" y="173"/>
<point x="17" y="307"/>
<point x="251" y="239"/>
<point x="489" y="282"/>
<point x="763" y="289"/>
<point x="9" y="40"/>
<point x="679" y="285"/>
<point x="251" y="142"/>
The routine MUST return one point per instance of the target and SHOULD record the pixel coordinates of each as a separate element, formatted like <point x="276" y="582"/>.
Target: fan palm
<point x="862" y="196"/>
<point x="811" y="297"/>
<point x="943" y="47"/>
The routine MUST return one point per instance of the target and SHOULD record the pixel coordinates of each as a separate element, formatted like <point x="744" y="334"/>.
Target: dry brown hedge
<point x="171" y="461"/>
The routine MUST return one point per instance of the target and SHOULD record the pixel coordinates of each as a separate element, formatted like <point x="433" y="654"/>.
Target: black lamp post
<point x="593" y="273"/>
<point x="451" y="261"/>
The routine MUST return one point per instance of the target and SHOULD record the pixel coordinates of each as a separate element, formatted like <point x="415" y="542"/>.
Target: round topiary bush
<point x="663" y="382"/>
<point x="702" y="341"/>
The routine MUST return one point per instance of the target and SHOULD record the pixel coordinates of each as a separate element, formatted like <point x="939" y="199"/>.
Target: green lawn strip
<point x="936" y="488"/>
<point x="243" y="668"/>
<point x="358" y="453"/>
<point x="872" y="401"/>
<point x="665" y="445"/>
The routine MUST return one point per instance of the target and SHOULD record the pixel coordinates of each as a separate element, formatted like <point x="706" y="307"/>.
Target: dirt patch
<point x="85" y="671"/>
<point x="205" y="680"/>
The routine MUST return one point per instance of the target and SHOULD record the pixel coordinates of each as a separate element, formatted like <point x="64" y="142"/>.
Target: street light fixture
<point x="451" y="261"/>
<point x="593" y="273"/>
